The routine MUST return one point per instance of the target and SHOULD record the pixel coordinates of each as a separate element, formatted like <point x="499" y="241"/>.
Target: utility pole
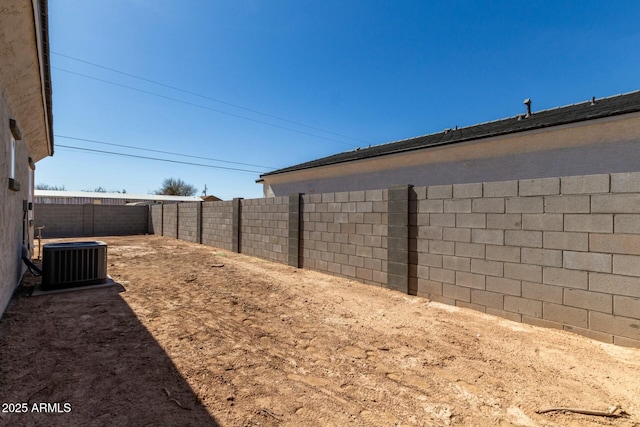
<point x="204" y="192"/>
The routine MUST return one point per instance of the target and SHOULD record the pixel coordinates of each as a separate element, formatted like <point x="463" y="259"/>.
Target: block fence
<point x="91" y="220"/>
<point x="555" y="252"/>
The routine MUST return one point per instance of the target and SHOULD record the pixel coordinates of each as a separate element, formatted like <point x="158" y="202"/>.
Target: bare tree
<point x="50" y="187"/>
<point x="176" y="187"/>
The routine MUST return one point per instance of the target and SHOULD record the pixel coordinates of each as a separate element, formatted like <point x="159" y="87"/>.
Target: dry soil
<point x="194" y="335"/>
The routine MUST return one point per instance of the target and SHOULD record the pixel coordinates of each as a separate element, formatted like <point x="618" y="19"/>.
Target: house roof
<point x="588" y="110"/>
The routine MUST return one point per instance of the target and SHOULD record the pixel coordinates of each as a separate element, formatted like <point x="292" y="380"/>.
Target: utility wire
<point x="157" y="159"/>
<point x="160" y="151"/>
<point x="207" y="97"/>
<point x="200" y="106"/>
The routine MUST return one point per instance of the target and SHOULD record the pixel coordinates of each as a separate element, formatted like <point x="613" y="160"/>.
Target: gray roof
<point x="588" y="110"/>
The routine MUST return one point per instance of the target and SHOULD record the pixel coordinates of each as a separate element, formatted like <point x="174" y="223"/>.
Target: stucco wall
<point x="604" y="146"/>
<point x="26" y="98"/>
<point x="24" y="69"/>
<point x="11" y="207"/>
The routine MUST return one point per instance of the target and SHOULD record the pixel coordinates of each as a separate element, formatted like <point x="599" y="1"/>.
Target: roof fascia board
<point x="45" y="75"/>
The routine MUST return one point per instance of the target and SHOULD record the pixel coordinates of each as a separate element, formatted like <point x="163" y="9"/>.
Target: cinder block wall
<point x="113" y="220"/>
<point x="217" y="218"/>
<point x="346" y="234"/>
<point x="155" y="218"/>
<point x="189" y="222"/>
<point x="90" y="220"/>
<point x="170" y="220"/>
<point x="556" y="252"/>
<point x="59" y="220"/>
<point x="264" y="225"/>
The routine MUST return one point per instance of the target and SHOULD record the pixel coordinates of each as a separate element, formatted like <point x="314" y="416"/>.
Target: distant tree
<point x="50" y="187"/>
<point x="101" y="189"/>
<point x="176" y="187"/>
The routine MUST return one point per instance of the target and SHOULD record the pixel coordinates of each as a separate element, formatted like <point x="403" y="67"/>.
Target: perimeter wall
<point x="90" y="220"/>
<point x="555" y="252"/>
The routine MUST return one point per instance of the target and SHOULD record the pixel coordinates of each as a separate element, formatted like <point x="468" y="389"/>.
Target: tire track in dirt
<point x="265" y="343"/>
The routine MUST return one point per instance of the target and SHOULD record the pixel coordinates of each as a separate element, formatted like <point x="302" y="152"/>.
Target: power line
<point x="158" y="159"/>
<point x="160" y="151"/>
<point x="207" y="97"/>
<point x="201" y="106"/>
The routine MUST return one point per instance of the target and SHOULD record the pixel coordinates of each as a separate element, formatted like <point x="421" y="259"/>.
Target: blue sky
<point x="262" y="85"/>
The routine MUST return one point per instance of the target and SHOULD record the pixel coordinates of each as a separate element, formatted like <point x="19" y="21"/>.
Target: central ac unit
<point x="72" y="264"/>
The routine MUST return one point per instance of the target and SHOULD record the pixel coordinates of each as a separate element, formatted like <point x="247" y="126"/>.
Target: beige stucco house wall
<point x="25" y="128"/>
<point x="560" y="142"/>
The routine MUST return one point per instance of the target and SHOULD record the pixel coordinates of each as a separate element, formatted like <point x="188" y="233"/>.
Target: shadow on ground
<point x="89" y="360"/>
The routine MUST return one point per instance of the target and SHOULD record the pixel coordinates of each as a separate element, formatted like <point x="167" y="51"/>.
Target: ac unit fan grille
<point x="72" y="264"/>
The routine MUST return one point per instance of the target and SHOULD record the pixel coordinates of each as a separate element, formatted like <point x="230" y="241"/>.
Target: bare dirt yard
<point x="194" y="335"/>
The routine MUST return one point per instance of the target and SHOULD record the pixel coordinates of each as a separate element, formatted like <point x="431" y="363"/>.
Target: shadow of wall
<point x="89" y="350"/>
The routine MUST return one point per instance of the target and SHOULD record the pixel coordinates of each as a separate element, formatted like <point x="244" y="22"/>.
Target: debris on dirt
<point x="175" y="400"/>
<point x="613" y="412"/>
<point x="36" y="392"/>
<point x="271" y="414"/>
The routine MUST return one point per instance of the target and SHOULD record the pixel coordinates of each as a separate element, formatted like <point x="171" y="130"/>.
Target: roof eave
<point x="450" y="142"/>
<point x="45" y="67"/>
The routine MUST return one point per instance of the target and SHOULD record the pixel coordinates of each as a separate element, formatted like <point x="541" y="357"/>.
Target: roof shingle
<point x="588" y="110"/>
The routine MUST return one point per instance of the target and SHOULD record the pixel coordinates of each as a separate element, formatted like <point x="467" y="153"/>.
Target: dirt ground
<point x="194" y="335"/>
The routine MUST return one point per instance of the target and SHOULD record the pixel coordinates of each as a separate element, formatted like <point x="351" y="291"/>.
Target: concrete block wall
<point x="294" y="257"/>
<point x="170" y="220"/>
<point x="217" y="219"/>
<point x="113" y="220"/>
<point x="155" y="219"/>
<point x="91" y="220"/>
<point x="346" y="234"/>
<point x="264" y="228"/>
<point x="190" y="215"/>
<point x="59" y="220"/>
<point x="555" y="252"/>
